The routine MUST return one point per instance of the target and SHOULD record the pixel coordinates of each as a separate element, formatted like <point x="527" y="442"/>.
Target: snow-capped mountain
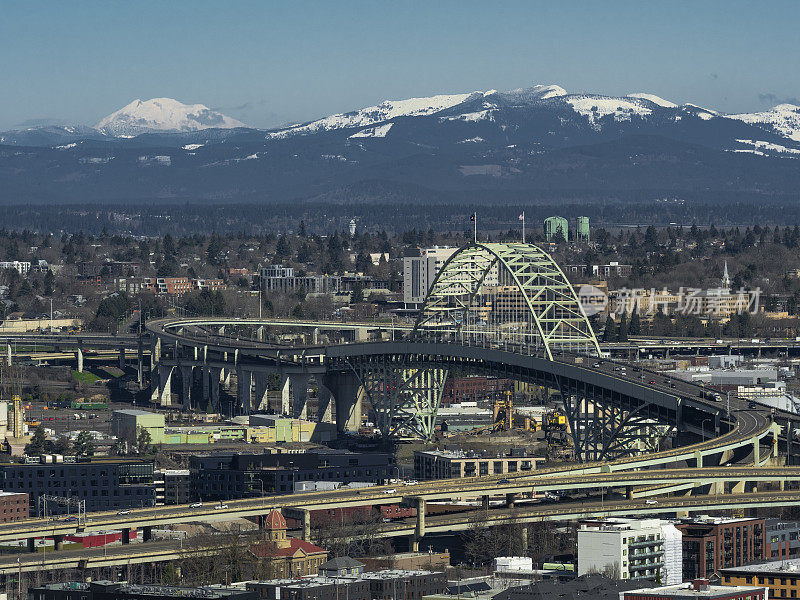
<point x="783" y="119"/>
<point x="163" y="114"/>
<point x="489" y="144"/>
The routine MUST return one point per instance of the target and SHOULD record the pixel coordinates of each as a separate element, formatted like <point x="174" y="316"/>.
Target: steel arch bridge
<point x="514" y="295"/>
<point x="495" y="295"/>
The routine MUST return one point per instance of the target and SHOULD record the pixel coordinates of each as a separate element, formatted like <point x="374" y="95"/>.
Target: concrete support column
<point x="698" y="457"/>
<point x="31" y="544"/>
<point x="186" y="387"/>
<point x="261" y="401"/>
<point x="122" y="358"/>
<point x="155" y="353"/>
<point x="324" y="405"/>
<point x="285" y="410"/>
<point x="299" y="395"/>
<point x="147" y="534"/>
<point x="413" y="544"/>
<point x="420" y="532"/>
<point x="140" y="363"/>
<point x="79" y="358"/>
<point x="225" y="377"/>
<point x="155" y="386"/>
<point x="244" y="384"/>
<point x="307" y="525"/>
<point x="126" y="535"/>
<point x="260" y="333"/>
<point x="485" y="502"/>
<point x="58" y="542"/>
<point x="756" y="451"/>
<point x="523" y="534"/>
<point x="511" y="499"/>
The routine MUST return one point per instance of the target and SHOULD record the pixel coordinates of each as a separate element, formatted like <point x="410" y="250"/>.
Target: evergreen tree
<point x="622" y="329"/>
<point x="610" y="332"/>
<point x="635" y="327"/>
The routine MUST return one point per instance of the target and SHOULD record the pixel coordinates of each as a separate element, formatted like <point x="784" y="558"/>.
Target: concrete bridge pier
<point x="511" y="499"/>
<point x="260" y="333"/>
<point x="165" y="385"/>
<point x="244" y="385"/>
<point x="122" y="358"/>
<point x="126" y="535"/>
<point x="205" y="385"/>
<point x="8" y="355"/>
<point x="324" y="404"/>
<point x="348" y="394"/>
<point x="299" y="395"/>
<point x="79" y="359"/>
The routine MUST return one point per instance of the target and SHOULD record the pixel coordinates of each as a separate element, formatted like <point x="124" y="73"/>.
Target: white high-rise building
<point x="420" y="270"/>
<point x="631" y="549"/>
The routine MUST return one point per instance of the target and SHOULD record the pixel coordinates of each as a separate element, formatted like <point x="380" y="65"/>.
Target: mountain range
<point x="521" y="145"/>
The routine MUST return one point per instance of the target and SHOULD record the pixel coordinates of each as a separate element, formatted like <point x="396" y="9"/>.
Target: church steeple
<point x="726" y="279"/>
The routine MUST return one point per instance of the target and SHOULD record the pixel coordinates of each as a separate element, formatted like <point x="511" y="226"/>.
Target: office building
<point x="780" y="577"/>
<point x="419" y="270"/>
<point x="107" y="590"/>
<point x="173" y="486"/>
<point x="699" y="589"/>
<point x="455" y="464"/>
<point x="712" y="543"/>
<point x="630" y="549"/>
<point x="105" y="484"/>
<point x="228" y="476"/>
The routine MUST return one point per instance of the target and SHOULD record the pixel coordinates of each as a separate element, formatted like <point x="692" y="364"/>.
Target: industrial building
<point x="712" y="543"/>
<point x="455" y="464"/>
<point x="173" y="486"/>
<point x="636" y="549"/>
<point x="107" y="590"/>
<point x="226" y="476"/>
<point x="126" y="423"/>
<point x="409" y="585"/>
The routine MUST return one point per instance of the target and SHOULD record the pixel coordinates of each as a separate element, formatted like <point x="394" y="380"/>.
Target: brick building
<point x="710" y="544"/>
<point x="287" y="557"/>
<point x="13" y="506"/>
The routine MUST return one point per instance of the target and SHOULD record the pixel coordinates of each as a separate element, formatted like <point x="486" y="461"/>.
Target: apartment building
<point x="713" y="543"/>
<point x="631" y="549"/>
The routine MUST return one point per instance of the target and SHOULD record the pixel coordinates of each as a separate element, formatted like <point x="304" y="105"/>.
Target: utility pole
<point x="51" y="315"/>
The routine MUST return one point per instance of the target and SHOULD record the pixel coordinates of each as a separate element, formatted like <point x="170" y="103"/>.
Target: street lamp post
<point x="703" y="427"/>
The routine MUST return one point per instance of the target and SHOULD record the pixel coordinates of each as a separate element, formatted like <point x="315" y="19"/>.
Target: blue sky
<point x="267" y="63"/>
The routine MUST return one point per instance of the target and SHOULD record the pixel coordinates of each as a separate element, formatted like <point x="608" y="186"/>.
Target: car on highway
<point x="391" y="491"/>
<point x="195" y="505"/>
<point x="650" y="502"/>
<point x="220" y="507"/>
<point x="70" y="520"/>
<point x="652" y="382"/>
<point x="124" y="512"/>
<point x="504" y="481"/>
<point x="752" y="404"/>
